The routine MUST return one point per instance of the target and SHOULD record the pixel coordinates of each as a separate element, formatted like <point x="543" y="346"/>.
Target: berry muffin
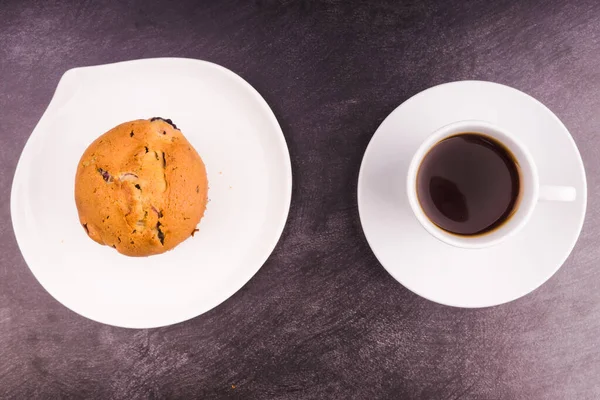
<point x="141" y="188"/>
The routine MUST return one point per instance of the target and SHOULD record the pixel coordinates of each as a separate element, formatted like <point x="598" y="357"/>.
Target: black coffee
<point x="468" y="184"/>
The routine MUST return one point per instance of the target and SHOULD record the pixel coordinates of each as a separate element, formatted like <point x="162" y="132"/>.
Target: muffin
<point x="141" y="188"/>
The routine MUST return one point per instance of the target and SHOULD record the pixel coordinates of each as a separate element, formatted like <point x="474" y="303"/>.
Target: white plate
<point x="249" y="174"/>
<point x="467" y="277"/>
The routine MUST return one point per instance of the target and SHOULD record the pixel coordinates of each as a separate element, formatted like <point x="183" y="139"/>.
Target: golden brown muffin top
<point x="141" y="187"/>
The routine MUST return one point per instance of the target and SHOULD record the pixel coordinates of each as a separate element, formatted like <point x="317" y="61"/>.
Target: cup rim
<point x="523" y="208"/>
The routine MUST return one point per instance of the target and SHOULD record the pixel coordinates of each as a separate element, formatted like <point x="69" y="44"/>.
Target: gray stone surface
<point x="322" y="319"/>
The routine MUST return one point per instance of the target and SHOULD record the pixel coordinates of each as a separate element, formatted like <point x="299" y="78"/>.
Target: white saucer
<point x="249" y="174"/>
<point x="440" y="272"/>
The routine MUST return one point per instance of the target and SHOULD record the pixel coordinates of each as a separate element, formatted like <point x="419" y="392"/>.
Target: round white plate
<point x="249" y="174"/>
<point x="466" y="277"/>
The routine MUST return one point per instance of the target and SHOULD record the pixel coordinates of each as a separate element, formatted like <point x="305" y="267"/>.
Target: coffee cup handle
<point x="557" y="193"/>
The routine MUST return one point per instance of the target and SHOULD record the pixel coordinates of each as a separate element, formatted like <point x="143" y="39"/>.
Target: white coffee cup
<point x="530" y="190"/>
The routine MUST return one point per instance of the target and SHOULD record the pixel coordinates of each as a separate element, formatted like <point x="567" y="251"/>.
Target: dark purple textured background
<point x="322" y="318"/>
